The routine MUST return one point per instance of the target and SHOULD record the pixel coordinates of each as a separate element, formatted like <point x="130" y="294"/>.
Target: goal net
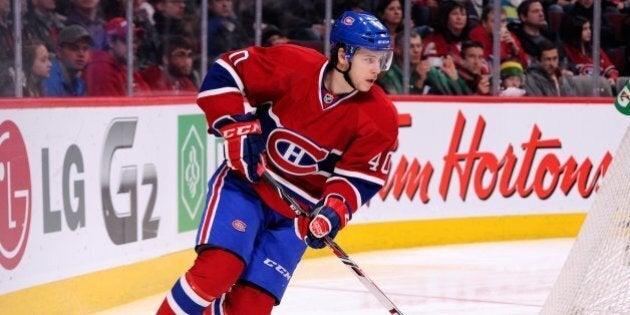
<point x="595" y="278"/>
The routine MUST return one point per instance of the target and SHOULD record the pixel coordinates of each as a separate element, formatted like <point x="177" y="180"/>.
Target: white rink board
<point x="68" y="250"/>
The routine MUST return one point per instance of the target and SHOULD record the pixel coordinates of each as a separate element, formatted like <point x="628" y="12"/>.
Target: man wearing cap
<point x="73" y="50"/>
<point x="106" y="74"/>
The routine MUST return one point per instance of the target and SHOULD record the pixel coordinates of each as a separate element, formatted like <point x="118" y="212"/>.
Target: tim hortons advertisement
<point x="468" y="160"/>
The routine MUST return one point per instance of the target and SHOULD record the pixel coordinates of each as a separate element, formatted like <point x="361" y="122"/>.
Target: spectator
<point x="36" y="68"/>
<point x="84" y="13"/>
<point x="421" y="13"/>
<point x="576" y="34"/>
<point x="533" y="27"/>
<point x="390" y="13"/>
<point x="43" y="23"/>
<point x="509" y="7"/>
<point x="451" y="30"/>
<point x="106" y="74"/>
<point x="545" y="78"/>
<point x="143" y="13"/>
<point x="425" y="79"/>
<point x="173" y="75"/>
<point x="272" y="36"/>
<point x="225" y="31"/>
<point x="443" y="78"/>
<point x="474" y="69"/>
<point x="73" y="52"/>
<point x="350" y="5"/>
<point x="511" y="79"/>
<point x="7" y="47"/>
<point x="511" y="48"/>
<point x="585" y="8"/>
<point x="169" y="18"/>
<point x="392" y="80"/>
<point x="6" y="32"/>
<point x="622" y="6"/>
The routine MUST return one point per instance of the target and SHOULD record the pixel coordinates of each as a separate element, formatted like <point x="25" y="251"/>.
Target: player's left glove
<point x="330" y="216"/>
<point x="243" y="147"/>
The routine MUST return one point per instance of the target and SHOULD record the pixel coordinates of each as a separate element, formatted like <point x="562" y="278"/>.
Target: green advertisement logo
<point x="191" y="171"/>
<point x="622" y="102"/>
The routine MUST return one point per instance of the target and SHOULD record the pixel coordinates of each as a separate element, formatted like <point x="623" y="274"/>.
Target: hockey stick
<point x="340" y="253"/>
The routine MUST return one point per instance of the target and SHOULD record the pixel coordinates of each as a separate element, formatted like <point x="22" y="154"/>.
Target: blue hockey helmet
<point x="361" y="30"/>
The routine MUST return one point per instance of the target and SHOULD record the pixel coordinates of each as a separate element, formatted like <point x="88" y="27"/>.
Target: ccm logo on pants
<point x="278" y="268"/>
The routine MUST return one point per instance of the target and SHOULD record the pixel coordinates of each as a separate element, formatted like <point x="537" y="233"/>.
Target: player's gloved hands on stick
<point x="330" y="216"/>
<point x="243" y="146"/>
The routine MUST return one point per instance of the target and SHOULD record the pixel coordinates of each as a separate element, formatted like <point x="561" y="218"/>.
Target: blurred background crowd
<point x="51" y="48"/>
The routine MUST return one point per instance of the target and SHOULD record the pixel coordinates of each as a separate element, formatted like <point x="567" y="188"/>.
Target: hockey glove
<point x="243" y="146"/>
<point x="330" y="216"/>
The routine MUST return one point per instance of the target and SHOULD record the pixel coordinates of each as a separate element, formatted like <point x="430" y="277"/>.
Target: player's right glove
<point x="243" y="146"/>
<point x="330" y="216"/>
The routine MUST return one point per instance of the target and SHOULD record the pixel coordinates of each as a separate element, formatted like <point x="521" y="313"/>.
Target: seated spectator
<point x="7" y="47"/>
<point x="169" y="19"/>
<point x="585" y="9"/>
<point x="509" y="7"/>
<point x="36" y="68"/>
<point x="576" y="35"/>
<point x="73" y="52"/>
<point x="511" y="79"/>
<point x="424" y="78"/>
<point x="43" y="23"/>
<point x="225" y="30"/>
<point x="533" y="27"/>
<point x="421" y="13"/>
<point x="545" y="78"/>
<point x="143" y="13"/>
<point x="443" y="78"/>
<point x="106" y="74"/>
<point x="392" y="80"/>
<point x="272" y="36"/>
<point x="511" y="48"/>
<point x="172" y="77"/>
<point x="450" y="32"/>
<point x="390" y="13"/>
<point x="85" y="13"/>
<point x="474" y="69"/>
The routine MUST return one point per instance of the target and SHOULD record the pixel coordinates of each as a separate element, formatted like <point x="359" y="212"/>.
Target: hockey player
<point x="322" y="130"/>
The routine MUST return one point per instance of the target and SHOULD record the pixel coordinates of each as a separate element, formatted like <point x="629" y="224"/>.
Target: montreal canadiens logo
<point x="293" y="153"/>
<point x="348" y="20"/>
<point x="15" y="195"/>
<point x="239" y="225"/>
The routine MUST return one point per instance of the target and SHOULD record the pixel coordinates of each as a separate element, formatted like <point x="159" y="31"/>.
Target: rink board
<point x="104" y="197"/>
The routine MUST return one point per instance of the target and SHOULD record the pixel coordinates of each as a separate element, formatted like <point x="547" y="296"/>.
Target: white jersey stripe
<point x="233" y="73"/>
<point x="171" y="302"/>
<point x="191" y="293"/>
<point x="218" y="91"/>
<point x="221" y="300"/>
<point x="209" y="216"/>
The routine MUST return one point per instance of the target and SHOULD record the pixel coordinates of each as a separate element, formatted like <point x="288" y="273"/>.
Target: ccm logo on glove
<point x="243" y="146"/>
<point x="239" y="129"/>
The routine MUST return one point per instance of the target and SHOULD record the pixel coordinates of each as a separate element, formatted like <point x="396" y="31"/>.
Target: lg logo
<point x="15" y="195"/>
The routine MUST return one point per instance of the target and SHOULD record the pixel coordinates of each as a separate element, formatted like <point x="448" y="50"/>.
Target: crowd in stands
<point x="79" y="47"/>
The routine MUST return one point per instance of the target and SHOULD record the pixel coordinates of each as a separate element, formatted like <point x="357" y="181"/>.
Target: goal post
<point x="595" y="278"/>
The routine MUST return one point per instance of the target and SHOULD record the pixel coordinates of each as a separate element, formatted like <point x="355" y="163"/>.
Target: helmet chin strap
<point x="346" y="74"/>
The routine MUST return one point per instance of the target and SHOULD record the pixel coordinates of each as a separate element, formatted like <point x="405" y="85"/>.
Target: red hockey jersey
<point x="316" y="144"/>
